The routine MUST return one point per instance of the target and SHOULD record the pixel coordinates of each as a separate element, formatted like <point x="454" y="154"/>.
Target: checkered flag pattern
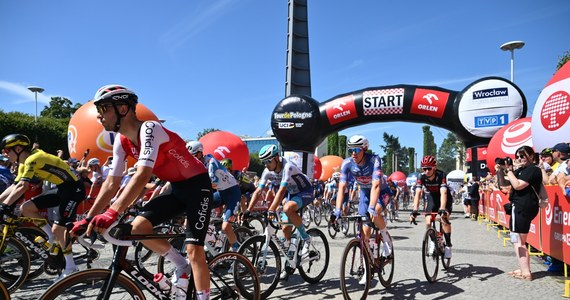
<point x="392" y="110"/>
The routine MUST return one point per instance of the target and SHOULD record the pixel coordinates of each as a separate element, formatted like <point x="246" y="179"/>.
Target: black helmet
<point x="16" y="139"/>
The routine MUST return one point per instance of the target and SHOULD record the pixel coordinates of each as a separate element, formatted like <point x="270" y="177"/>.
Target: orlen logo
<point x="429" y="103"/>
<point x="72" y="139"/>
<point x="222" y="150"/>
<point x="555" y="111"/>
<point x="105" y="141"/>
<point x="515" y="136"/>
<point x="341" y="109"/>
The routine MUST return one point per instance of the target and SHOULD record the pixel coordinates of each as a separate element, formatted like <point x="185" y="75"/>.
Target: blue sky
<point x="221" y="64"/>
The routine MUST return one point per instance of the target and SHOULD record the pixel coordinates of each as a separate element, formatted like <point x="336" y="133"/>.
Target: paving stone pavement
<point x="478" y="269"/>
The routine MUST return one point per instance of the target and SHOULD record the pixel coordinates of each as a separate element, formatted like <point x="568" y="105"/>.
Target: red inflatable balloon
<point x="223" y="144"/>
<point x="318" y="169"/>
<point x="330" y="164"/>
<point x="507" y="140"/>
<point x="398" y="177"/>
<point x="85" y="132"/>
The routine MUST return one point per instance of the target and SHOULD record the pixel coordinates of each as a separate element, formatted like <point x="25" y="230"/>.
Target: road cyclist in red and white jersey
<point x="226" y="188"/>
<point x="366" y="168"/>
<point x="293" y="184"/>
<point x="163" y="153"/>
<point x="432" y="185"/>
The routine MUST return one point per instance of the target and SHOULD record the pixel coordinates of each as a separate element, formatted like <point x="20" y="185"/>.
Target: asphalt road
<point x="478" y="269"/>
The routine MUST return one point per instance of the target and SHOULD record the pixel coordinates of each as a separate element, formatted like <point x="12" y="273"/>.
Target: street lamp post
<point x="36" y="90"/>
<point x="512" y="46"/>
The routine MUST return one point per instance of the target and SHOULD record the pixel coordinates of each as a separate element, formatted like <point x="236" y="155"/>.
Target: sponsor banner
<point x="383" y="102"/>
<point x="482" y="153"/>
<point x="468" y="155"/>
<point x="430" y="103"/>
<point x="489" y="104"/>
<point x="341" y="110"/>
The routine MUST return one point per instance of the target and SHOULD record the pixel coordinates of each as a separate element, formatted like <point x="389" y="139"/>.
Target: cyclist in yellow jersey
<point x="37" y="163"/>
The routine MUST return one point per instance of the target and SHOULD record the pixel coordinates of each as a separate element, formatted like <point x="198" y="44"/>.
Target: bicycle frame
<point x="271" y="235"/>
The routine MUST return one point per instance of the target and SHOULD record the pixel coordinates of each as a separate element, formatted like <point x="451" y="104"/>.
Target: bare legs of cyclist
<point x="196" y="255"/>
<point x="55" y="233"/>
<point x="446" y="233"/>
<point x="379" y="222"/>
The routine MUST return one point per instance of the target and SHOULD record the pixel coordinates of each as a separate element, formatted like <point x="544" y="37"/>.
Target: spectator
<point x="524" y="177"/>
<point x="560" y="174"/>
<point x="547" y="165"/>
<point x="6" y="176"/>
<point x="474" y="198"/>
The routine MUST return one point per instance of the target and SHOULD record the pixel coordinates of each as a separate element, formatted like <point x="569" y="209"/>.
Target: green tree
<point x="412" y="160"/>
<point x="562" y="60"/>
<point x="430" y="147"/>
<point x="393" y="152"/>
<point x="447" y="153"/>
<point x="204" y="132"/>
<point x="59" y="108"/>
<point x="342" y="146"/>
<point x="332" y="144"/>
<point x="255" y="164"/>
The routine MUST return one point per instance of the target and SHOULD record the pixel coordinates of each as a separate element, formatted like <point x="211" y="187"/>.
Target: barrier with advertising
<point x="549" y="231"/>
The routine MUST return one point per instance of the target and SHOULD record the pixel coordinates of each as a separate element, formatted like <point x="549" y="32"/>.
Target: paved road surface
<point x="478" y="270"/>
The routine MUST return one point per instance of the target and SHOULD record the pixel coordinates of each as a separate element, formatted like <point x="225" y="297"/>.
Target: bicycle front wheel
<point x="266" y="260"/>
<point x="4" y="292"/>
<point x="87" y="284"/>
<point x="233" y="276"/>
<point x="445" y="262"/>
<point x="313" y="267"/>
<point x="386" y="266"/>
<point x="430" y="255"/>
<point x="355" y="273"/>
<point x="317" y="215"/>
<point x="14" y="264"/>
<point x="332" y="230"/>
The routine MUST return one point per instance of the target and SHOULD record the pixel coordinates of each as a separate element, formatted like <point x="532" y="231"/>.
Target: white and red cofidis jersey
<point x="159" y="148"/>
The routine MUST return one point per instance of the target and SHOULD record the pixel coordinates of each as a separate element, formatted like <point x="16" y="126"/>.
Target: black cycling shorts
<point x="192" y="196"/>
<point x="68" y="195"/>
<point x="433" y="204"/>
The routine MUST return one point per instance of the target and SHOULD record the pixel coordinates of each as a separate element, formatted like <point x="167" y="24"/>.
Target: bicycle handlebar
<point x="115" y="241"/>
<point x="81" y="240"/>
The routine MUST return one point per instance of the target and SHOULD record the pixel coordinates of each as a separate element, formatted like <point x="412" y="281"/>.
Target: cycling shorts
<point x="68" y="195"/>
<point x="193" y="196"/>
<point x="229" y="197"/>
<point x="302" y="199"/>
<point x="434" y="203"/>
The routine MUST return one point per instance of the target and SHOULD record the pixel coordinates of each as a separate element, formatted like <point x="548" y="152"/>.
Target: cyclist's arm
<point x="417" y="196"/>
<point x="133" y="189"/>
<point x="254" y="197"/>
<point x="374" y="193"/>
<point x="15" y="192"/>
<point x="109" y="189"/>
<point x="340" y="196"/>
<point x="278" y="197"/>
<point x="443" y="198"/>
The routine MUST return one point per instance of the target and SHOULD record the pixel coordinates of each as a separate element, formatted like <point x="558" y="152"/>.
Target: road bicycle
<point x="433" y="248"/>
<point x="360" y="260"/>
<point x="265" y="252"/>
<point x="231" y="275"/>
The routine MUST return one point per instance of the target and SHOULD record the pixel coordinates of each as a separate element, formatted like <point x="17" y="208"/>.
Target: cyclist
<point x="163" y="153"/>
<point x="6" y="176"/>
<point x="331" y="188"/>
<point x="227" y="189"/>
<point x="366" y="168"/>
<point x="395" y="191"/>
<point x="294" y="183"/>
<point x="37" y="164"/>
<point x="246" y="185"/>
<point x="432" y="184"/>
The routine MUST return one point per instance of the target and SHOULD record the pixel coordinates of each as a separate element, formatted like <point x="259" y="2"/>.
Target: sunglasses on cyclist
<point x="267" y="161"/>
<point x="427" y="168"/>
<point x="354" y="150"/>
<point x="102" y="108"/>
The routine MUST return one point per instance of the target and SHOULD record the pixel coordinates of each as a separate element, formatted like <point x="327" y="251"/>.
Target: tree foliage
<point x="255" y="164"/>
<point x="563" y="59"/>
<point x="204" y="132"/>
<point x="332" y="144"/>
<point x="342" y="151"/>
<point x="59" y="108"/>
<point x="430" y="148"/>
<point x="447" y="153"/>
<point x="396" y="157"/>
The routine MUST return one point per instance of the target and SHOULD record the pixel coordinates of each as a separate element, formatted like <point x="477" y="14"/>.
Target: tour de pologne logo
<point x="555" y="111"/>
<point x="515" y="136"/>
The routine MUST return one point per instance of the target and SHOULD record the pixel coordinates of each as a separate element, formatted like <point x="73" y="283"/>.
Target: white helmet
<point x="357" y="141"/>
<point x="336" y="175"/>
<point x="194" y="147"/>
<point x="93" y="161"/>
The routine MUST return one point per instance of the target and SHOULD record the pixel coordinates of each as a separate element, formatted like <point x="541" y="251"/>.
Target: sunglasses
<point x="267" y="161"/>
<point x="354" y="150"/>
<point x="101" y="109"/>
<point x="521" y="156"/>
<point x="427" y="169"/>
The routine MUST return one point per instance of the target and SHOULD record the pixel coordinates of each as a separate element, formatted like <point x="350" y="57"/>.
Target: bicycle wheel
<point x="233" y="276"/>
<point x="87" y="284"/>
<point x="354" y="266"/>
<point x="4" y="292"/>
<point x="14" y="264"/>
<point x="36" y="259"/>
<point x="266" y="260"/>
<point x="385" y="264"/>
<point x="344" y="226"/>
<point x="430" y="255"/>
<point x="313" y="268"/>
<point x="332" y="230"/>
<point x="242" y="234"/>
<point x="147" y="261"/>
<point x="317" y="215"/>
<point x="256" y="225"/>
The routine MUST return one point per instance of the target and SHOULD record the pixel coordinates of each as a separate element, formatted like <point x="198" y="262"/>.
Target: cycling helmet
<point x="194" y="147"/>
<point x="114" y="93"/>
<point x="428" y="161"/>
<point x="357" y="141"/>
<point x="93" y="161"/>
<point x="336" y="175"/>
<point x="268" y="151"/>
<point x="16" y="139"/>
<point x="227" y="163"/>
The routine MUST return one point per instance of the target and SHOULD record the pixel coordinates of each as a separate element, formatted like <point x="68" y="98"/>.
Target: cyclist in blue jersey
<point x="366" y="168"/>
<point x="432" y="184"/>
<point x="226" y="188"/>
<point x="294" y="184"/>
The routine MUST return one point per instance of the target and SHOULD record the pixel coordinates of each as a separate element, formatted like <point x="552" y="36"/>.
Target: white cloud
<point x="21" y="93"/>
